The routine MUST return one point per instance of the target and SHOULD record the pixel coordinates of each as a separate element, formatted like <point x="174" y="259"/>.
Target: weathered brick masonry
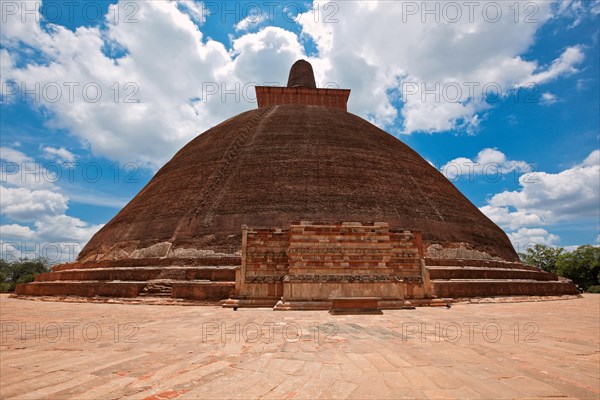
<point x="300" y="156"/>
<point x="310" y="263"/>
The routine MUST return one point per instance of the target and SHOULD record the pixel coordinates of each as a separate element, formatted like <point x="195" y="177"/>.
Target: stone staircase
<point x="462" y="278"/>
<point x="206" y="279"/>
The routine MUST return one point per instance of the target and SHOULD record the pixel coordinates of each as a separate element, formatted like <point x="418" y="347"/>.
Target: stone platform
<point x="355" y="306"/>
<point x="464" y="278"/>
<point x="200" y="279"/>
<point x="116" y="351"/>
<point x="306" y="265"/>
<point x="302" y="267"/>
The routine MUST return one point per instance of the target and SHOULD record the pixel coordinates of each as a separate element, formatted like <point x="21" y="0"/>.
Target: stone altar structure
<point x="308" y="264"/>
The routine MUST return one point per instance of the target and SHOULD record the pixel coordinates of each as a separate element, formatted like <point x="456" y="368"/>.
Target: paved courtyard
<point x="59" y="350"/>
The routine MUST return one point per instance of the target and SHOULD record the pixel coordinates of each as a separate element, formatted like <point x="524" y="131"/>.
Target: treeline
<point x="21" y="271"/>
<point x="581" y="265"/>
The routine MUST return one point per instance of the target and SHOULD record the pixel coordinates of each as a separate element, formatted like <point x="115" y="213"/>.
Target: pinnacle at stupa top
<point x="301" y="89"/>
<point x="302" y="75"/>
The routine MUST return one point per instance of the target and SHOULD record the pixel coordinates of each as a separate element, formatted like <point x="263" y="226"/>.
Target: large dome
<point x="298" y="205"/>
<point x="284" y="163"/>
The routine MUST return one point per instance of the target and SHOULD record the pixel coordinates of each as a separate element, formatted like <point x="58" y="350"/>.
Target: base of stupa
<point x="304" y="267"/>
<point x="250" y="302"/>
<point x="354" y="303"/>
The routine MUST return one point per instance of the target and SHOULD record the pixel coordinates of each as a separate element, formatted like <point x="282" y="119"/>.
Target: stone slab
<point x="197" y="352"/>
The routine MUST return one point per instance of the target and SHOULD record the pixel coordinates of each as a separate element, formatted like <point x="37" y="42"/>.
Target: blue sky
<point x="96" y="96"/>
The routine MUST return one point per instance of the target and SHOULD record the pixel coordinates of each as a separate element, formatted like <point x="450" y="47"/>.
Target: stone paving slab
<point x="543" y="349"/>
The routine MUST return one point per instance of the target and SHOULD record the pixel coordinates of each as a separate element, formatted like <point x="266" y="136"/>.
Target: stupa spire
<point x="302" y="75"/>
<point x="301" y="89"/>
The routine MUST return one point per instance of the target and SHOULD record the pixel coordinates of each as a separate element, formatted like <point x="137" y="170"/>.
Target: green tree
<point x="544" y="257"/>
<point x="22" y="271"/>
<point x="5" y="275"/>
<point x="582" y="265"/>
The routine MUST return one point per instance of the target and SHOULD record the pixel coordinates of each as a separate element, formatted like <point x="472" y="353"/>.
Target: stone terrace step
<point x="465" y="262"/>
<point x="214" y="273"/>
<point x="198" y="290"/>
<point x="471" y="273"/>
<point x="152" y="262"/>
<point x="158" y="288"/>
<point x="79" y="288"/>
<point x="191" y="290"/>
<point x="496" y="287"/>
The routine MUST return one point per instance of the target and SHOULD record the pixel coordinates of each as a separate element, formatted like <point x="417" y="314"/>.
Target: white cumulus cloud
<point x="40" y="224"/>
<point x="59" y="154"/>
<point x="14" y="156"/>
<point x="526" y="237"/>
<point x="140" y="91"/>
<point x="16" y="231"/>
<point x="22" y="204"/>
<point x="251" y="21"/>
<point x="549" y="98"/>
<point x="568" y="195"/>
<point x="548" y="198"/>
<point x="442" y="70"/>
<point x="489" y="162"/>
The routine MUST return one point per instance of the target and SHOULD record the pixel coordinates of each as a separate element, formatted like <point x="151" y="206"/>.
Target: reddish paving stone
<point x="166" y="352"/>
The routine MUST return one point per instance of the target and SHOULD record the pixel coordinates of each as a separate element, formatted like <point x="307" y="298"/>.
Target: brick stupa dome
<point x="300" y="156"/>
<point x="272" y="166"/>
